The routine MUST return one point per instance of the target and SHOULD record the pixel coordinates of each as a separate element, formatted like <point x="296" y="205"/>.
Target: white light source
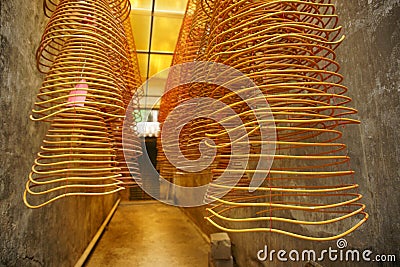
<point x="148" y="129"/>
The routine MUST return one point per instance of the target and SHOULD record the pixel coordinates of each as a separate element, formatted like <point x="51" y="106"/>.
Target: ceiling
<point x="155" y="25"/>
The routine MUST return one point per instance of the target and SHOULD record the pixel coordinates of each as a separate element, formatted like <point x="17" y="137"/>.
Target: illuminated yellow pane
<point x="159" y="63"/>
<point x="176" y="5"/>
<point x="165" y="33"/>
<point x="142" y="58"/>
<point x="141" y="4"/>
<point x="141" y="31"/>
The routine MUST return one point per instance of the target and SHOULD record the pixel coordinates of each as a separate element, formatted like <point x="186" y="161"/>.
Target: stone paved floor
<point x="150" y="234"/>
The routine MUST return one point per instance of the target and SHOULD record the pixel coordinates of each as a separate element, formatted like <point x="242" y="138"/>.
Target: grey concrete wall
<point x="369" y="58"/>
<point x="55" y="235"/>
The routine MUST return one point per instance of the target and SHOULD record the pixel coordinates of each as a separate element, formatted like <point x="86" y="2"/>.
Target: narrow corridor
<point x="149" y="234"/>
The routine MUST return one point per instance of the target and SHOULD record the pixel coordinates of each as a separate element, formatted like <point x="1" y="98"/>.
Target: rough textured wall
<point x="196" y="214"/>
<point x="370" y="58"/>
<point x="55" y="235"/>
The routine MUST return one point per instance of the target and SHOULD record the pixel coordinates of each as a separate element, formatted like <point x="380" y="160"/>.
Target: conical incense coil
<point x="80" y="78"/>
<point x="130" y="69"/>
<point x="136" y="77"/>
<point x="116" y="12"/>
<point x="76" y="158"/>
<point x="89" y="19"/>
<point x="287" y="49"/>
<point x="49" y="6"/>
<point x="132" y="76"/>
<point x="122" y="8"/>
<point x="129" y="148"/>
<point x="191" y="35"/>
<point x="126" y="155"/>
<point x="169" y="100"/>
<point x="89" y="80"/>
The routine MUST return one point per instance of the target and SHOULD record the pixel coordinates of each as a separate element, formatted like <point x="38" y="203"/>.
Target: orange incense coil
<point x="130" y="69"/>
<point x="136" y="78"/>
<point x="197" y="38"/>
<point x="287" y="49"/>
<point x="80" y="78"/>
<point x="190" y="34"/>
<point x="121" y="8"/>
<point x="189" y="41"/>
<point x="76" y="158"/>
<point x="126" y="155"/>
<point x="169" y="99"/>
<point x="49" y="6"/>
<point x="90" y="19"/>
<point x="132" y="76"/>
<point x="318" y="216"/>
<point x="165" y="168"/>
<point x="199" y="30"/>
<point x="89" y="82"/>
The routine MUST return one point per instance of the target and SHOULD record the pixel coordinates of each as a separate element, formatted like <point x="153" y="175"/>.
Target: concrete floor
<point x="150" y="234"/>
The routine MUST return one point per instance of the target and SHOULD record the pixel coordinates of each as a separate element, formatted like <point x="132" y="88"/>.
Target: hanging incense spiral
<point x="90" y="79"/>
<point x="287" y="48"/>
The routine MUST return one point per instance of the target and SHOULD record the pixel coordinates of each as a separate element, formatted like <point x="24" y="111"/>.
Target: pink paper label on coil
<point x="78" y="96"/>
